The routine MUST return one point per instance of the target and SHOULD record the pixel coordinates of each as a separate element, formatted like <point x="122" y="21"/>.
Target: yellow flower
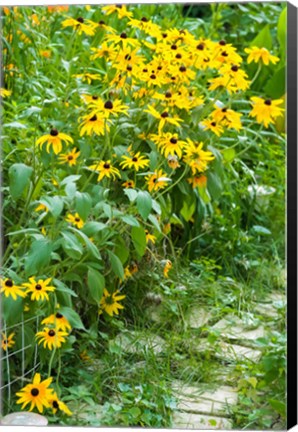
<point x="4" y="92"/>
<point x="58" y="8"/>
<point x="39" y="289"/>
<point x="168" y="144"/>
<point x="10" y="289"/>
<point x="210" y="124"/>
<point x="134" y="161"/>
<point x="57" y="404"/>
<point x="196" y="157"/>
<point x="84" y="356"/>
<point x="45" y="53"/>
<point x="7" y="342"/>
<point x="80" y="24"/>
<point x="109" y="302"/>
<point x="227" y="117"/>
<point x="173" y="162"/>
<point x="167" y="268"/>
<point x="265" y="111"/>
<point x="108" y="108"/>
<point x="122" y="39"/>
<point x="37" y="393"/>
<point x="55" y="139"/>
<point x="42" y="207"/>
<point x="75" y="220"/>
<point x="105" y="169"/>
<point x="88" y="77"/>
<point x="94" y="124"/>
<point x="166" y="228"/>
<point x="130" y="270"/>
<point x="198" y="181"/>
<point x="105" y="50"/>
<point x="157" y="180"/>
<point x="232" y="78"/>
<point x="129" y="184"/>
<point x="164" y="118"/>
<point x="257" y="54"/>
<point x="69" y="158"/>
<point x="150" y="237"/>
<point x="51" y="338"/>
<point x="58" y="320"/>
<point x="120" y="9"/>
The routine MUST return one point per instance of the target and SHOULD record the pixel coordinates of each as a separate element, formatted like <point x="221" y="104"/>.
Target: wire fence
<point x="9" y="357"/>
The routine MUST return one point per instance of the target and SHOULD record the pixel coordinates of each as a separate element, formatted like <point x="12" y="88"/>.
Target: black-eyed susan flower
<point x="4" y="92"/>
<point x="168" y="144"/>
<point x="215" y="127"/>
<point x="54" y="139"/>
<point x="7" y="342"/>
<point x="150" y="238"/>
<point x="257" y="54"/>
<point x="197" y="158"/>
<point x="94" y="123"/>
<point x="227" y="117"/>
<point x="163" y="118"/>
<point x="129" y="184"/>
<point x="69" y="158"/>
<point x="266" y="110"/>
<point x="37" y="393"/>
<point x="167" y="267"/>
<point x="109" y="302"/>
<point x="11" y="290"/>
<point x="136" y="161"/>
<point x="157" y="180"/>
<point x="121" y="11"/>
<point x="105" y="169"/>
<point x="58" y="8"/>
<point x="39" y="289"/>
<point x="89" y="77"/>
<point x="75" y="220"/>
<point x="130" y="270"/>
<point x="58" y="405"/>
<point x="41" y="207"/>
<point x="122" y="39"/>
<point x="173" y="162"/>
<point x="58" y="320"/>
<point x="232" y="78"/>
<point x="81" y="25"/>
<point x="104" y="51"/>
<point x="51" y="338"/>
<point x="108" y="108"/>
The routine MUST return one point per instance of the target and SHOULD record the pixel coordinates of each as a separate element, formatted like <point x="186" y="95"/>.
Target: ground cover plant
<point x="143" y="155"/>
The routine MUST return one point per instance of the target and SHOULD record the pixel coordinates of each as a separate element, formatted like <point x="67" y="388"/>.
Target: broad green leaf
<point x="70" y="179"/>
<point x="154" y="222"/>
<point x="54" y="204"/>
<point x="144" y="204"/>
<point x="90" y="246"/>
<point x="188" y="209"/>
<point x="72" y="316"/>
<point x="15" y="124"/>
<point x="12" y="310"/>
<point x="60" y="286"/>
<point x="19" y="178"/>
<point x="275" y="87"/>
<point x="116" y="264"/>
<point x="83" y="204"/>
<point x="131" y="194"/>
<point x="261" y="230"/>
<point x="96" y="284"/>
<point x="92" y="228"/>
<point x="71" y="245"/>
<point x="280" y="407"/>
<point x="138" y="237"/>
<point x="282" y="30"/>
<point x="253" y="381"/>
<point x="263" y="39"/>
<point x="121" y="250"/>
<point x="130" y="220"/>
<point x="229" y="154"/>
<point x="38" y="257"/>
<point x="214" y="185"/>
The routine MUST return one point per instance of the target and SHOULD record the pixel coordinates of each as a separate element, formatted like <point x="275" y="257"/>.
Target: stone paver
<point x="198" y="421"/>
<point x="231" y="352"/>
<point x="197" y="318"/>
<point x="135" y="342"/>
<point x="233" y="327"/>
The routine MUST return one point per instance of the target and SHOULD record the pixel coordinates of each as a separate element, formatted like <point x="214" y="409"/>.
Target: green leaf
<point x="121" y="250"/>
<point x="131" y="194"/>
<point x="280" y="407"/>
<point x="188" y="209"/>
<point x="214" y="185"/>
<point x="154" y="222"/>
<point x="12" y="310"/>
<point x="282" y="30"/>
<point x="72" y="316"/>
<point x="275" y="87"/>
<point x="135" y="412"/>
<point x="228" y="154"/>
<point x="96" y="284"/>
<point x="138" y="237"/>
<point x="263" y="39"/>
<point x="60" y="286"/>
<point x="38" y="257"/>
<point x="19" y="178"/>
<point x="144" y="204"/>
<point x="90" y="246"/>
<point x="130" y="220"/>
<point x="92" y="228"/>
<point x="55" y="204"/>
<point x="253" y="381"/>
<point x="71" y="245"/>
<point x="116" y="264"/>
<point x="83" y="204"/>
<point x="15" y="124"/>
<point x="261" y="230"/>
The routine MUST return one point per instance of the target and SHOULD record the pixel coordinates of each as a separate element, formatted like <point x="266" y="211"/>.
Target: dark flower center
<point x="101" y="23"/>
<point x="55" y="405"/>
<point x="94" y="118"/>
<point x="54" y="132"/>
<point x="77" y="219"/>
<point x="9" y="283"/>
<point x="38" y="287"/>
<point x="173" y="78"/>
<point x="182" y="69"/>
<point x="178" y="56"/>
<point x="94" y="97"/>
<point x="145" y="70"/>
<point x="213" y="124"/>
<point x="123" y="35"/>
<point x="70" y="157"/>
<point x="173" y="140"/>
<point x="35" y="392"/>
<point x="107" y="166"/>
<point x="80" y="20"/>
<point x="144" y="19"/>
<point x="153" y="76"/>
<point x="5" y="341"/>
<point x="206" y="60"/>
<point x="267" y="102"/>
<point x="164" y="115"/>
<point x="108" y="105"/>
<point x="174" y="47"/>
<point x="200" y="47"/>
<point x="224" y="54"/>
<point x="159" y="67"/>
<point x="135" y="159"/>
<point x="222" y="42"/>
<point x="129" y="68"/>
<point x="154" y="181"/>
<point x="234" y="68"/>
<point x="164" y="35"/>
<point x="224" y="110"/>
<point x="118" y="6"/>
<point x="52" y="333"/>
<point x="168" y="95"/>
<point x="127" y="57"/>
<point x="59" y="315"/>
